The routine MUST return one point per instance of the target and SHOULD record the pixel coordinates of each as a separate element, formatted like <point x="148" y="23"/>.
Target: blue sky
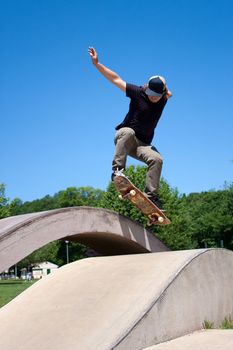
<point x="58" y="114"/>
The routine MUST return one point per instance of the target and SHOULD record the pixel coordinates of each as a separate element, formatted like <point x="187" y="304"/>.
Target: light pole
<point x="67" y="252"/>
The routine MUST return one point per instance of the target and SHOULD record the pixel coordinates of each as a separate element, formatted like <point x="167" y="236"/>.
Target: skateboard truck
<point x="131" y="193"/>
<point x="153" y="218"/>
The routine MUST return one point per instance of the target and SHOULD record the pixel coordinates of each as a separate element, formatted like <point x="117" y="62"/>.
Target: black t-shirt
<point x="143" y="115"/>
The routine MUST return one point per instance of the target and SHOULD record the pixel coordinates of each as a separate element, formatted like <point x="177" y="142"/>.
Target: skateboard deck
<point x="140" y="200"/>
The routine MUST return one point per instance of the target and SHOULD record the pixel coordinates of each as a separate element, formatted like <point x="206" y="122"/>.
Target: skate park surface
<point x="146" y="298"/>
<point x="202" y="340"/>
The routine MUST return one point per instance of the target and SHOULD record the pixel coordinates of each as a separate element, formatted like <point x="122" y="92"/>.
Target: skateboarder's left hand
<point x="93" y="54"/>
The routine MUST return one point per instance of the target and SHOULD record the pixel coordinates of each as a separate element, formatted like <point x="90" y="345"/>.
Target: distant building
<point x="38" y="270"/>
<point x="43" y="269"/>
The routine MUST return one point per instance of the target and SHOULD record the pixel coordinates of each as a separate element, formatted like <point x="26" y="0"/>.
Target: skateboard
<point x="140" y="200"/>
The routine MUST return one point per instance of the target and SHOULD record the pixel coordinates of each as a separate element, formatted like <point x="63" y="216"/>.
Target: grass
<point x="9" y="289"/>
<point x="226" y="324"/>
<point x="208" y="325"/>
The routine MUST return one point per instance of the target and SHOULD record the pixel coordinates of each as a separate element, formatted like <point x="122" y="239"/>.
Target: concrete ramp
<point x="204" y="340"/>
<point x="121" y="302"/>
<point x="105" y="231"/>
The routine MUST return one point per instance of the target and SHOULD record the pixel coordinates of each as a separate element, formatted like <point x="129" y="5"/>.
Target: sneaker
<point x="117" y="172"/>
<point x="113" y="175"/>
<point x="155" y="199"/>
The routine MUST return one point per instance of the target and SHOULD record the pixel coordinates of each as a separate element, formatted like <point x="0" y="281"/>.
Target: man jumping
<point x="134" y="135"/>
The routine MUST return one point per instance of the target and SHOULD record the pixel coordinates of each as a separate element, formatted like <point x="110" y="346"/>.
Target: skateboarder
<point x="134" y="135"/>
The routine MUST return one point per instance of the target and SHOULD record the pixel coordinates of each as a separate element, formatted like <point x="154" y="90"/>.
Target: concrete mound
<point x="121" y="302"/>
<point x="105" y="231"/>
<point x="204" y="340"/>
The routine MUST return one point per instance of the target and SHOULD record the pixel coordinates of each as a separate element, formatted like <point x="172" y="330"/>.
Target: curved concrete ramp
<point x="204" y="340"/>
<point x="105" y="231"/>
<point x="121" y="302"/>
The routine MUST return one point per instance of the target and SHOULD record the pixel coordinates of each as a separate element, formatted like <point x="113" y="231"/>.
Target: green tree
<point x="178" y="234"/>
<point x="77" y="251"/>
<point x="212" y="217"/>
<point x="78" y="196"/>
<point x="4" y="208"/>
<point x="72" y="196"/>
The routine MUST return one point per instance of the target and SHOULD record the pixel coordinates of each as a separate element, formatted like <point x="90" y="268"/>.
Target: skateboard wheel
<point x="160" y="219"/>
<point x="132" y="193"/>
<point x="120" y="197"/>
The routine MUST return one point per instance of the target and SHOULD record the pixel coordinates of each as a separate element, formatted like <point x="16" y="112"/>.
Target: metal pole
<point x="67" y="252"/>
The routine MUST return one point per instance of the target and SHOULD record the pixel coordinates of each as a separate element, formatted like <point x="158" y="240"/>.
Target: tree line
<point x="198" y="220"/>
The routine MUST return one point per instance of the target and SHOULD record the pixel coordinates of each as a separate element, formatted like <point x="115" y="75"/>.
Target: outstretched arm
<point x="106" y="72"/>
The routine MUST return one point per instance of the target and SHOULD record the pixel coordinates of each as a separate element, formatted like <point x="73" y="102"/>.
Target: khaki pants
<point x="127" y="144"/>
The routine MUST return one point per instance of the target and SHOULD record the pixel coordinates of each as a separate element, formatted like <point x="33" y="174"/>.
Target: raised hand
<point x="93" y="54"/>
